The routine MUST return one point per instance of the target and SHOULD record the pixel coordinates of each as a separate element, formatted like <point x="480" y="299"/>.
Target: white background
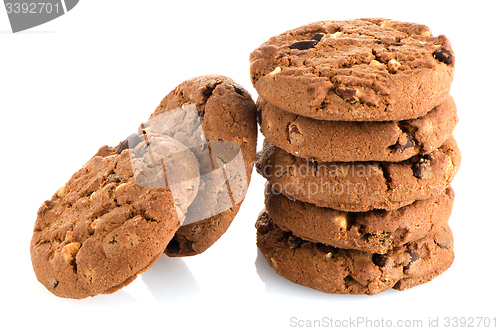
<point x="91" y="76"/>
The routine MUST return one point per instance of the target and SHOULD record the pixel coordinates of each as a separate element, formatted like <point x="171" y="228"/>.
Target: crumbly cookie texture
<point x="360" y="186"/>
<point x="101" y="229"/>
<point x="228" y="114"/>
<point x="344" y="271"/>
<point x="354" y="70"/>
<point x="376" y="231"/>
<point x="357" y="141"/>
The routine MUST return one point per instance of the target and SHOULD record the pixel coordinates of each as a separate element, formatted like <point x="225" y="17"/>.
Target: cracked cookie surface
<point x="376" y="231"/>
<point x="101" y="229"/>
<point x="357" y="141"/>
<point x="354" y="70"/>
<point x="228" y="116"/>
<point x="360" y="186"/>
<point x="345" y="271"/>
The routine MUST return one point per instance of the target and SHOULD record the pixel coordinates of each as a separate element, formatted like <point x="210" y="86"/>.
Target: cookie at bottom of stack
<point x="345" y="271"/>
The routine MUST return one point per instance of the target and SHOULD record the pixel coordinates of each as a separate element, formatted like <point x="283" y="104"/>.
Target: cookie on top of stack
<point x="358" y="156"/>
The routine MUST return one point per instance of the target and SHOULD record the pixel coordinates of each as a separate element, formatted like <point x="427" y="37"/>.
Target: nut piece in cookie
<point x="70" y="251"/>
<point x="348" y="94"/>
<point x="393" y="66"/>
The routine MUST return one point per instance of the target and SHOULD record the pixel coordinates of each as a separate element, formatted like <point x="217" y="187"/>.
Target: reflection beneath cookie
<point x="169" y="279"/>
<point x="276" y="284"/>
<point x="120" y="297"/>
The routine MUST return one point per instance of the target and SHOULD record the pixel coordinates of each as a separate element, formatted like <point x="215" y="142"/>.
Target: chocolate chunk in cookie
<point x="129" y="143"/>
<point x="444" y="56"/>
<point x="304" y="44"/>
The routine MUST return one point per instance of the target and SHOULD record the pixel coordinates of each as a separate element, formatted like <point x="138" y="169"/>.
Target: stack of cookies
<point x="358" y="156"/>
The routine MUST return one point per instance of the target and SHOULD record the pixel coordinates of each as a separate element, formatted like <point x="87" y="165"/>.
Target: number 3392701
<point x="31" y="8"/>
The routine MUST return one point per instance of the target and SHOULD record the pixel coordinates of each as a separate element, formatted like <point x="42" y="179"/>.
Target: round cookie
<point x="360" y="186"/>
<point x="354" y="70"/>
<point x="376" y="231"/>
<point x="228" y="122"/>
<point x="345" y="271"/>
<point x="103" y="228"/>
<point x="357" y="141"/>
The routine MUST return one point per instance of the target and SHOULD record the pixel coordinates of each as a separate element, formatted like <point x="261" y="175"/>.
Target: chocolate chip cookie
<point x="360" y="186"/>
<point x="357" y="141"/>
<point x="376" y="231"/>
<point x="354" y="70"/>
<point x="113" y="218"/>
<point x="226" y="121"/>
<point x="345" y="271"/>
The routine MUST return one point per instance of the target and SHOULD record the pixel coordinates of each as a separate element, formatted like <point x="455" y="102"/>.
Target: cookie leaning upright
<point x="228" y="122"/>
<point x="354" y="70"/>
<point x="112" y="219"/>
